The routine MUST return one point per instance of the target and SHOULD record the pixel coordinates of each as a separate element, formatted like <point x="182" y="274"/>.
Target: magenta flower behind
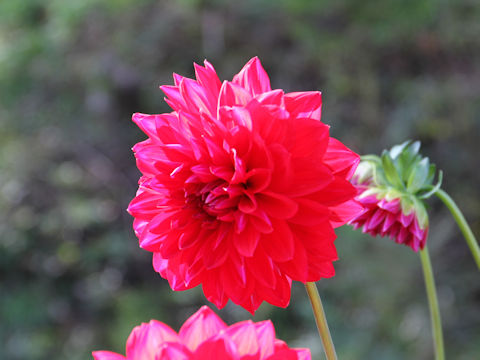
<point x="204" y="336"/>
<point x="392" y="188"/>
<point x="242" y="188"/>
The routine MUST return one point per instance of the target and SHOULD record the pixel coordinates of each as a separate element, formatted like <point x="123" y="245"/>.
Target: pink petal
<point x="402" y="235"/>
<point x="392" y="206"/>
<point x="199" y="327"/>
<point x="234" y="278"/>
<point x="286" y="354"/>
<point x="172" y="351"/>
<point x="196" y="97"/>
<point x="341" y="159"/>
<point x="282" y="176"/>
<point x="303" y="354"/>
<point x="244" y="336"/>
<point x="213" y="290"/>
<point x="272" y="132"/>
<point x="335" y="193"/>
<point x="341" y="214"/>
<point x="375" y="219"/>
<point x="416" y="229"/>
<point x="207" y="77"/>
<point x="107" y="355"/>
<point x="279" y="244"/>
<point x="237" y="115"/>
<point x="174" y="98"/>
<point x="213" y="257"/>
<point x="307" y="105"/>
<point x="258" y="179"/>
<point x="310" y="137"/>
<point x="144" y="205"/>
<point x="261" y="221"/>
<point x="277" y="205"/>
<point x="390" y="219"/>
<point x="321" y="270"/>
<point x="280" y="296"/>
<point x="145" y="340"/>
<point x="147" y="123"/>
<point x="253" y="78"/>
<point x="318" y="241"/>
<point x="297" y="268"/>
<point x="309" y="177"/>
<point x="219" y="348"/>
<point x="274" y="97"/>
<point x="246" y="242"/>
<point x="265" y="337"/>
<point x="233" y="95"/>
<point x="262" y="267"/>
<point x="309" y="213"/>
<point x="406" y="220"/>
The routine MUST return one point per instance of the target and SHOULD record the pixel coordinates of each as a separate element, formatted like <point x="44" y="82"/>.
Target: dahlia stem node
<point x="433" y="304"/>
<point x="321" y="320"/>
<point x="462" y="224"/>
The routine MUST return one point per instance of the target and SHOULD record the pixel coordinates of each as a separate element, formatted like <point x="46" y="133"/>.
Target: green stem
<point x="321" y="320"/>
<point x="462" y="224"/>
<point x="433" y="304"/>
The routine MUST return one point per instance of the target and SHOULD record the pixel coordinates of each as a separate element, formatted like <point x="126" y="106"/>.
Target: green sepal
<point x="390" y="171"/>
<point x="372" y="191"/>
<point x="421" y="213"/>
<point x="398" y="149"/>
<point x="400" y="173"/>
<point x="408" y="204"/>
<point x="433" y="189"/>
<point x="431" y="174"/>
<point x="366" y="170"/>
<point x="391" y="194"/>
<point x="372" y="158"/>
<point x="418" y="176"/>
<point x="407" y="159"/>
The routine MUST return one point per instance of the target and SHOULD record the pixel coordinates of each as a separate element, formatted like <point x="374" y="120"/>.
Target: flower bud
<point x="392" y="189"/>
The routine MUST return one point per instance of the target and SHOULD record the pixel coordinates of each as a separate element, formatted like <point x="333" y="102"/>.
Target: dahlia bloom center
<point x="232" y="187"/>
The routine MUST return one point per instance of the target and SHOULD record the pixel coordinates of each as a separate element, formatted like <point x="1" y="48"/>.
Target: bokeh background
<point x="72" y="278"/>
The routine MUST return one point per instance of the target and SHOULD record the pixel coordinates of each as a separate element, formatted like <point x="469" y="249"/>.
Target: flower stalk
<point x="462" y="224"/>
<point x="321" y="321"/>
<point x="433" y="304"/>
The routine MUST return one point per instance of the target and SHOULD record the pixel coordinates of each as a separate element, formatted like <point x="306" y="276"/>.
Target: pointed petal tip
<point x="205" y="310"/>
<point x="137" y="117"/>
<point x="107" y="355"/>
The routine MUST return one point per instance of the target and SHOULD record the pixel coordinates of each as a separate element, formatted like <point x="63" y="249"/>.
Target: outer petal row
<point x="204" y="336"/>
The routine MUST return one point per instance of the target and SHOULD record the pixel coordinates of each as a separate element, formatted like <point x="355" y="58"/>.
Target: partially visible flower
<point x="204" y="336"/>
<point x="392" y="188"/>
<point x="242" y="187"/>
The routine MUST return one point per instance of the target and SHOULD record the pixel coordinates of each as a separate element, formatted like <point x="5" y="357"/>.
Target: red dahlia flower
<point x="241" y="188"/>
<point x="204" y="336"/>
<point x="392" y="189"/>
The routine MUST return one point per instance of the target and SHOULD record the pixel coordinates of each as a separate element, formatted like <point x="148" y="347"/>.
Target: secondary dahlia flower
<point x="241" y="188"/>
<point x="204" y="336"/>
<point x="392" y="189"/>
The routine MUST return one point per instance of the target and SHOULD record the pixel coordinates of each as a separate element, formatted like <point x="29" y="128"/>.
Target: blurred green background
<point x="72" y="278"/>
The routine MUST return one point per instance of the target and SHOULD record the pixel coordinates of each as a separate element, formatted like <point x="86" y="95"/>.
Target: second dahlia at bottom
<point x="241" y="188"/>
<point x="204" y="336"/>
